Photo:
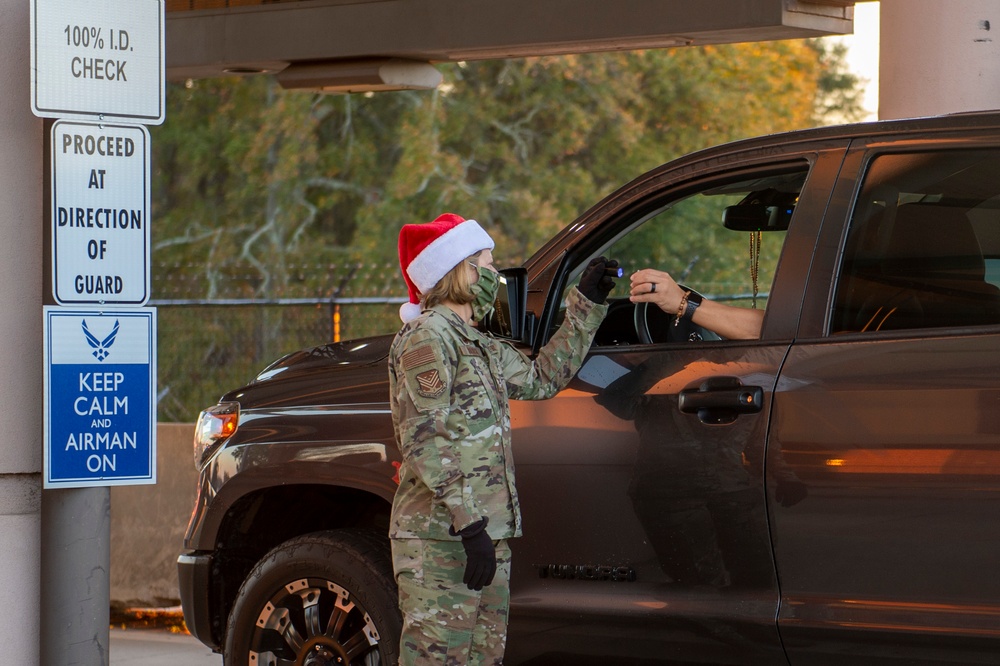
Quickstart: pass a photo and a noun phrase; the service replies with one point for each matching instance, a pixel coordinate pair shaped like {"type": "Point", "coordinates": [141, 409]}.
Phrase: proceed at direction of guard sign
{"type": "Point", "coordinates": [100, 214]}
{"type": "Point", "coordinates": [100, 397]}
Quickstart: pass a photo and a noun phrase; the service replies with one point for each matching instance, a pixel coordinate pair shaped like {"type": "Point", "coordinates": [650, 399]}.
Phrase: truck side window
{"type": "Point", "coordinates": [923, 247]}
{"type": "Point", "coordinates": [722, 239]}
{"type": "Point", "coordinates": [688, 240]}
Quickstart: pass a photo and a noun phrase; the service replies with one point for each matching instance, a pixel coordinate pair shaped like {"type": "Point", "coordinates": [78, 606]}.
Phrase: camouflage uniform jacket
{"type": "Point", "coordinates": [449, 385]}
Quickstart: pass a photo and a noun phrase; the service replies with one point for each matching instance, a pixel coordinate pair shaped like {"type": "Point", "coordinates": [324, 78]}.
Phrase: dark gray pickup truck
{"type": "Point", "coordinates": [826, 494]}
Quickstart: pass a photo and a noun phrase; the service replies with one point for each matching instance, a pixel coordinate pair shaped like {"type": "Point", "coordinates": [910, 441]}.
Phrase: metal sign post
{"type": "Point", "coordinates": [100, 61]}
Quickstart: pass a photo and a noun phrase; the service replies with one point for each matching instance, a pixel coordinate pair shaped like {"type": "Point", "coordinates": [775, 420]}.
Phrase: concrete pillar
{"type": "Point", "coordinates": [75, 568]}
{"type": "Point", "coordinates": [21, 338]}
{"type": "Point", "coordinates": [938, 56]}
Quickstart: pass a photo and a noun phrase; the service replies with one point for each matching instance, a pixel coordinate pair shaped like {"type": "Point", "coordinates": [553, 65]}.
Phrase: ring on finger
{"type": "Point", "coordinates": [652, 287]}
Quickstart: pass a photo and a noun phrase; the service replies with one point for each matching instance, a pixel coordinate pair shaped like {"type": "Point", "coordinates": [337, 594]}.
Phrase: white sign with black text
{"type": "Point", "coordinates": [100, 214]}
{"type": "Point", "coordinates": [98, 59]}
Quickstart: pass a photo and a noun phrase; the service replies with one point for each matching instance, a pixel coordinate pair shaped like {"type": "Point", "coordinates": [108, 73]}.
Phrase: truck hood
{"type": "Point", "coordinates": [365, 351]}
{"type": "Point", "coordinates": [340, 373]}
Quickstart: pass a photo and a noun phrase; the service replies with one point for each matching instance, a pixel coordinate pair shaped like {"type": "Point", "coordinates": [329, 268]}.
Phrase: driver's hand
{"type": "Point", "coordinates": [652, 286]}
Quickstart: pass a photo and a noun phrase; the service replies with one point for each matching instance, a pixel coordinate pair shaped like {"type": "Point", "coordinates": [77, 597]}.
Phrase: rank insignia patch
{"type": "Point", "coordinates": [430, 384]}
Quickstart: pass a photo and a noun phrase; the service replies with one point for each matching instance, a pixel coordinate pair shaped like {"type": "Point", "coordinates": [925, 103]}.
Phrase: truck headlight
{"type": "Point", "coordinates": [215, 425]}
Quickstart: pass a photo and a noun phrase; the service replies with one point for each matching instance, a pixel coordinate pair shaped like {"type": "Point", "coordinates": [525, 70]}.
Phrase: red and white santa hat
{"type": "Point", "coordinates": [428, 251]}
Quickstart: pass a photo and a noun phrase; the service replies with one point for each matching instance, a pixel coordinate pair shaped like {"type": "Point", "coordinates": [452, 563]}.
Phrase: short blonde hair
{"type": "Point", "coordinates": [455, 286]}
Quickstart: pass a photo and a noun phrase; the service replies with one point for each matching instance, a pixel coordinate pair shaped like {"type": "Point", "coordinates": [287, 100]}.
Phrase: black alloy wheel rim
{"type": "Point", "coordinates": [313, 622]}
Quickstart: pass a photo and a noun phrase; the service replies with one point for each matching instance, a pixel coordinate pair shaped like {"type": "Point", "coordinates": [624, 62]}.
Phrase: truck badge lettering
{"type": "Point", "coordinates": [621, 574]}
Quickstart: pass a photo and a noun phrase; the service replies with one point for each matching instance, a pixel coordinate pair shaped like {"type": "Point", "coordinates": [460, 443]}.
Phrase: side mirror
{"type": "Point", "coordinates": [508, 316]}
{"type": "Point", "coordinates": [757, 217]}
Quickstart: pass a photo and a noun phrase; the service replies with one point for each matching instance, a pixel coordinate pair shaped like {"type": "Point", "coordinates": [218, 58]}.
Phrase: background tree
{"type": "Point", "coordinates": [263, 193]}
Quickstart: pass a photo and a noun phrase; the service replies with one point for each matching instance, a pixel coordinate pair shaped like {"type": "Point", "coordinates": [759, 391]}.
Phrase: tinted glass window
{"type": "Point", "coordinates": [688, 240]}
{"type": "Point", "coordinates": [923, 248]}
{"type": "Point", "coordinates": [722, 239]}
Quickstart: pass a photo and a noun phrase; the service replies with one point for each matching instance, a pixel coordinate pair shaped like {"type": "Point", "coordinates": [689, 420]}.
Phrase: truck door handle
{"type": "Point", "coordinates": [719, 400]}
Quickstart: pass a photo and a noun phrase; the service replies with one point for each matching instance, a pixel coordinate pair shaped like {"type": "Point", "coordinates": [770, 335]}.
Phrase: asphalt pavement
{"type": "Point", "coordinates": [159, 647]}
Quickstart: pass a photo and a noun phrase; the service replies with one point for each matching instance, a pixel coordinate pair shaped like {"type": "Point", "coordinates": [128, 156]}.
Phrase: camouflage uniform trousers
{"type": "Point", "coordinates": [444, 622]}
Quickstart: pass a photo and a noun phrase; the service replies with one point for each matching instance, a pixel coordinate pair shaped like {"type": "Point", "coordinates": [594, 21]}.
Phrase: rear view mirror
{"type": "Point", "coordinates": [757, 217]}
{"type": "Point", "coordinates": [507, 318]}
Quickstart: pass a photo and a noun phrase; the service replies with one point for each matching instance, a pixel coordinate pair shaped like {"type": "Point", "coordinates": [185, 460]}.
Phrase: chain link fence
{"type": "Point", "coordinates": [215, 332]}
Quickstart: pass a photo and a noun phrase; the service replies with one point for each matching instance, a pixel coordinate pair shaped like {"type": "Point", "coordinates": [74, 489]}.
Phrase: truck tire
{"type": "Point", "coordinates": [323, 599]}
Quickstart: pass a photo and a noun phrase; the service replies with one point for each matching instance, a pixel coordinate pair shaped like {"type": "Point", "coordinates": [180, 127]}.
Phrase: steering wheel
{"type": "Point", "coordinates": [650, 320]}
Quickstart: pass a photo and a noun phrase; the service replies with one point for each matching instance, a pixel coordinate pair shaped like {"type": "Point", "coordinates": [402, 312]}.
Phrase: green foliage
{"type": "Point", "coordinates": [247, 173]}
{"type": "Point", "coordinates": [840, 94]}
{"type": "Point", "coordinates": [251, 182]}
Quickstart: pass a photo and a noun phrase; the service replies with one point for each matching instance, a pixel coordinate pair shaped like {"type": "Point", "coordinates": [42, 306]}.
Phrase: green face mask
{"type": "Point", "coordinates": [485, 292]}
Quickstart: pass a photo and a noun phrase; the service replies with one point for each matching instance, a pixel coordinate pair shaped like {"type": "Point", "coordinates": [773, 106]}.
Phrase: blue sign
{"type": "Point", "coordinates": [100, 397]}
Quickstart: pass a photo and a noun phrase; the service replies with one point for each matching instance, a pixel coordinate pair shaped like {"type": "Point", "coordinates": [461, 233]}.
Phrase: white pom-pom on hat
{"type": "Point", "coordinates": [409, 311]}
{"type": "Point", "coordinates": [428, 251]}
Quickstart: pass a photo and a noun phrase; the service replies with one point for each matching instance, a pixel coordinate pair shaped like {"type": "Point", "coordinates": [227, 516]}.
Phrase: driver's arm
{"type": "Point", "coordinates": [652, 286]}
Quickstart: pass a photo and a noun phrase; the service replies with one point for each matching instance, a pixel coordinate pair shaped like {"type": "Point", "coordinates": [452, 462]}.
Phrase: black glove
{"type": "Point", "coordinates": [595, 283]}
{"type": "Point", "coordinates": [482, 556]}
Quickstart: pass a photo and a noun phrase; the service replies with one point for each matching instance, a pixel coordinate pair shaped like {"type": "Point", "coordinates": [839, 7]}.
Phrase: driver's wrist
{"type": "Point", "coordinates": [691, 302]}
{"type": "Point", "coordinates": [681, 308]}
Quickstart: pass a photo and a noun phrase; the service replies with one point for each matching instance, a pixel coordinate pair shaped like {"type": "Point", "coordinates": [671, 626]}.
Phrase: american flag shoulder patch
{"type": "Point", "coordinates": [429, 384]}
{"type": "Point", "coordinates": [417, 357]}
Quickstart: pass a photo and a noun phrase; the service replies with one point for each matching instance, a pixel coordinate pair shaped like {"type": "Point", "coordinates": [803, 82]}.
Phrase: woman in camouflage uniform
{"type": "Point", "coordinates": [456, 505]}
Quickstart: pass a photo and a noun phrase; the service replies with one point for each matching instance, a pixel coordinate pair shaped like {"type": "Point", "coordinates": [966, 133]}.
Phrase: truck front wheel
{"type": "Point", "coordinates": [323, 599]}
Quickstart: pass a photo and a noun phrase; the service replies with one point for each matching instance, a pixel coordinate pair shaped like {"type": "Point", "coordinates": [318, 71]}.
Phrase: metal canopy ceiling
{"type": "Point", "coordinates": [268, 36]}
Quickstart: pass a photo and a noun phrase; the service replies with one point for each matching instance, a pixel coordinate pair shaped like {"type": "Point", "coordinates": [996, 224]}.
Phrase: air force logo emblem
{"type": "Point", "coordinates": [101, 346]}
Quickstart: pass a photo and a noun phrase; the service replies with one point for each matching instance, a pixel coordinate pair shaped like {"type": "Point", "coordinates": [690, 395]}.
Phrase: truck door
{"type": "Point", "coordinates": [887, 412]}
{"type": "Point", "coordinates": [642, 484]}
